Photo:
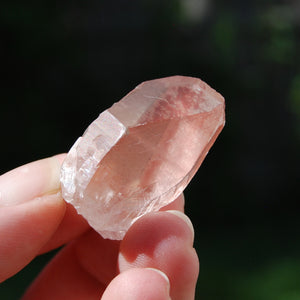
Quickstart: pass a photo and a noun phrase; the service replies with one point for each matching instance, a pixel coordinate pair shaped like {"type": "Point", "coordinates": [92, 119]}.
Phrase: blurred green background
{"type": "Point", "coordinates": [65, 61]}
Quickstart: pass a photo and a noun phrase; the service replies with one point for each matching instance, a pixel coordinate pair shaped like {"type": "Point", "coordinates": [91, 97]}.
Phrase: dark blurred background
{"type": "Point", "coordinates": [63, 62]}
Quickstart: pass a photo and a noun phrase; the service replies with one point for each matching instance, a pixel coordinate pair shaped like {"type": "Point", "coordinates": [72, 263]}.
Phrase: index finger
{"type": "Point", "coordinates": [31, 211]}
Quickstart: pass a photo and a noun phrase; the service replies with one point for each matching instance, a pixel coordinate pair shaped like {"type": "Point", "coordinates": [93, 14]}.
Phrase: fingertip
{"type": "Point", "coordinates": [154, 229]}
{"type": "Point", "coordinates": [29, 181]}
{"type": "Point", "coordinates": [139, 283]}
{"type": "Point", "coordinates": [177, 204]}
{"type": "Point", "coordinates": [163, 275]}
{"type": "Point", "coordinates": [60, 157]}
{"type": "Point", "coordinates": [184, 218]}
{"type": "Point", "coordinates": [163, 240]}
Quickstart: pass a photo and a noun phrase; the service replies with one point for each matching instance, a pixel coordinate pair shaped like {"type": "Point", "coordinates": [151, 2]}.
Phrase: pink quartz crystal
{"type": "Point", "coordinates": [141, 153]}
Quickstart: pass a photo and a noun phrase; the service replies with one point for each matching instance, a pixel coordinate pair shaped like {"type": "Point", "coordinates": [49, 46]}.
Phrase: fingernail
{"type": "Point", "coordinates": [53, 184]}
{"type": "Point", "coordinates": [30, 181]}
{"type": "Point", "coordinates": [185, 218]}
{"type": "Point", "coordinates": [162, 274]}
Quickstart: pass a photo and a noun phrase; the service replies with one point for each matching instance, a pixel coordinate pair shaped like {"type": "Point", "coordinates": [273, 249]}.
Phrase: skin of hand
{"type": "Point", "coordinates": [155, 260]}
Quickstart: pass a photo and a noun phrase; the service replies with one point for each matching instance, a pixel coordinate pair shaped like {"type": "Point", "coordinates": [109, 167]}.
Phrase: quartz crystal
{"type": "Point", "coordinates": [140, 154]}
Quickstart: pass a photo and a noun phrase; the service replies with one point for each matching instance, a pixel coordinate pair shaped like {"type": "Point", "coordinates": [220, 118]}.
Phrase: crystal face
{"type": "Point", "coordinates": [141, 153]}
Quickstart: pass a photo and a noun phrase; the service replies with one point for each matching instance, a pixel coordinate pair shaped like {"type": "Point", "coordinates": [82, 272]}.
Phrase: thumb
{"type": "Point", "coordinates": [138, 283]}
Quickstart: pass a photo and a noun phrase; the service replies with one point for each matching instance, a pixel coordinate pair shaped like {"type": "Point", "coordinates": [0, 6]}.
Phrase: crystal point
{"type": "Point", "coordinates": [140, 154]}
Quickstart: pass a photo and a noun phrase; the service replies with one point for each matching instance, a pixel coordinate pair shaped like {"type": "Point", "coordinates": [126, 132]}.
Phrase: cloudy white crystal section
{"type": "Point", "coordinates": [140, 154]}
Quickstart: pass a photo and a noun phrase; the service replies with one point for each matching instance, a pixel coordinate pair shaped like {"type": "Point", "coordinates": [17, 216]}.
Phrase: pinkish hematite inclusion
{"type": "Point", "coordinates": [141, 153]}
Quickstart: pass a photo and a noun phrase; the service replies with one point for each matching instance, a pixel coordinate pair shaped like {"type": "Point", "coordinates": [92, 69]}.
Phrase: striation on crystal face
{"type": "Point", "coordinates": [141, 153]}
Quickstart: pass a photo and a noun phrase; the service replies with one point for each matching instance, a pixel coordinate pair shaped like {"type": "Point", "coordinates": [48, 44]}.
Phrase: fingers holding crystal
{"type": "Point", "coordinates": [164, 241]}
{"type": "Point", "coordinates": [161, 240]}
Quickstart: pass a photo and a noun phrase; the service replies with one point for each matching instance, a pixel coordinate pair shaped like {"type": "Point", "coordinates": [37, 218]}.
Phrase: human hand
{"type": "Point", "coordinates": [35, 219]}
